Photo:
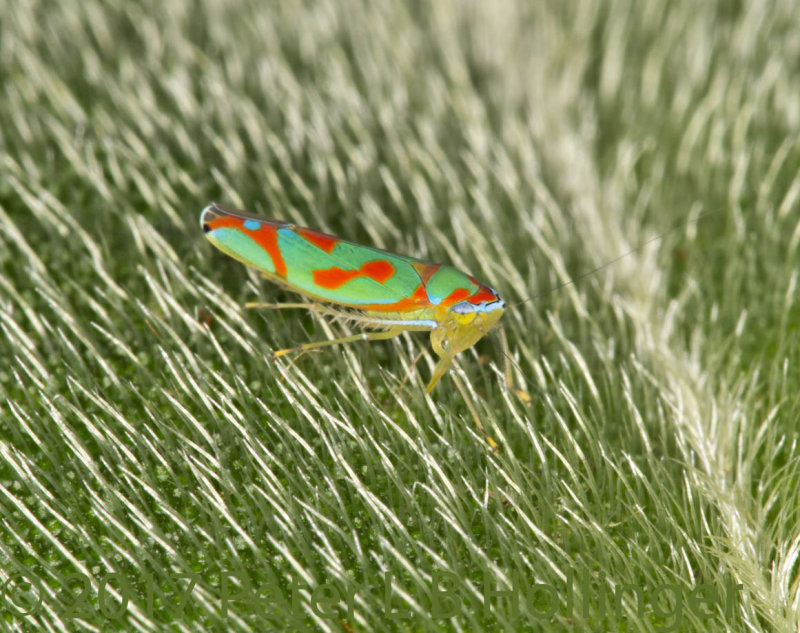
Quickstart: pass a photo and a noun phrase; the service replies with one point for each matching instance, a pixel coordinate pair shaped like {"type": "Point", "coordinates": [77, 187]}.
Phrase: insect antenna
{"type": "Point", "coordinates": [686, 219]}
{"type": "Point", "coordinates": [505, 351]}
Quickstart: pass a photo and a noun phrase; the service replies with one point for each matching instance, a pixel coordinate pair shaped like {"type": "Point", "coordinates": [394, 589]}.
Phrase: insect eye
{"type": "Point", "coordinates": [463, 308]}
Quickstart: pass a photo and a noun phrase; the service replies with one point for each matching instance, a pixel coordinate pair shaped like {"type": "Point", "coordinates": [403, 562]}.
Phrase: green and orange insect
{"type": "Point", "coordinates": [379, 290]}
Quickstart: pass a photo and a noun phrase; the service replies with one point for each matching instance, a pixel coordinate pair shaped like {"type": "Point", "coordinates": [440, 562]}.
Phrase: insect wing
{"type": "Point", "coordinates": [315, 264]}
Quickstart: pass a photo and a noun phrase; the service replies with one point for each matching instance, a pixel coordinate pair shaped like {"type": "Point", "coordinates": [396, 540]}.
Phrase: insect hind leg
{"type": "Point", "coordinates": [363, 336]}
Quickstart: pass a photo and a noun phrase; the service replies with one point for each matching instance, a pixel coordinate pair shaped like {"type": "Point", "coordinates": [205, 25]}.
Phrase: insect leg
{"type": "Point", "coordinates": [440, 370]}
{"type": "Point", "coordinates": [364, 336]}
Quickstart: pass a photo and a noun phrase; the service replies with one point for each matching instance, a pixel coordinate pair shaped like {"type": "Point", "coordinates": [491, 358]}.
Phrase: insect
{"type": "Point", "coordinates": [378, 290]}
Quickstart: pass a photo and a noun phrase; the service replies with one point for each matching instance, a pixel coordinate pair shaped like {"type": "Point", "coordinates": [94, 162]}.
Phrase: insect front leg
{"type": "Point", "coordinates": [440, 370]}
{"type": "Point", "coordinates": [443, 348]}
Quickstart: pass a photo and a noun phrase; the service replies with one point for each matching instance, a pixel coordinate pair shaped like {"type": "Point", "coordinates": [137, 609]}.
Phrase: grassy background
{"type": "Point", "coordinates": [146, 438]}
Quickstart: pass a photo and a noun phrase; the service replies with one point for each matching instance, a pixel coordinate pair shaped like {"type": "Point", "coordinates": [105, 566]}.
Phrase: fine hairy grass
{"type": "Point", "coordinates": [158, 470]}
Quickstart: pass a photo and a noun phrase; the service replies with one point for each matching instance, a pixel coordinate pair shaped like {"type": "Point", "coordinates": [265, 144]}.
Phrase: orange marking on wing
{"type": "Point", "coordinates": [335, 277]}
{"type": "Point", "coordinates": [332, 278]}
{"type": "Point", "coordinates": [266, 237]}
{"type": "Point", "coordinates": [419, 299]}
{"type": "Point", "coordinates": [380, 270]}
{"type": "Point", "coordinates": [320, 240]}
{"type": "Point", "coordinates": [459, 294]}
{"type": "Point", "coordinates": [269, 240]}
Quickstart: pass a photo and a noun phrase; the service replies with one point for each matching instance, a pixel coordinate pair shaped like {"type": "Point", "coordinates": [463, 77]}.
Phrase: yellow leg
{"type": "Point", "coordinates": [364, 336]}
{"type": "Point", "coordinates": [440, 370]}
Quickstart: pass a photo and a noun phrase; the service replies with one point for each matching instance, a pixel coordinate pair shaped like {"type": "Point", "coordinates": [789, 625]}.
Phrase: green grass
{"type": "Point", "coordinates": [147, 441]}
